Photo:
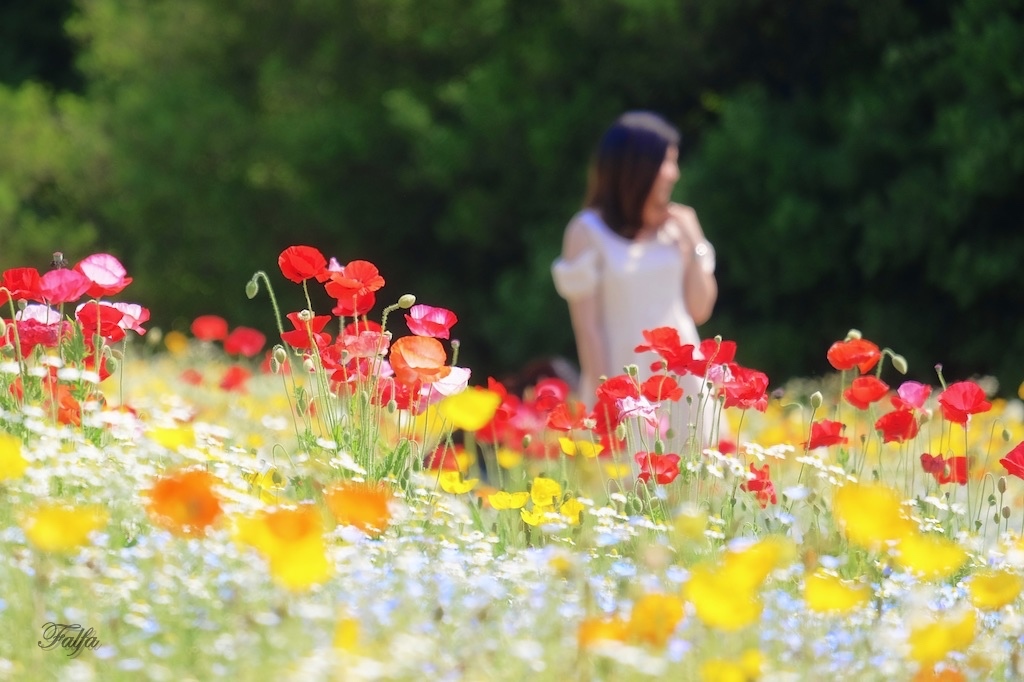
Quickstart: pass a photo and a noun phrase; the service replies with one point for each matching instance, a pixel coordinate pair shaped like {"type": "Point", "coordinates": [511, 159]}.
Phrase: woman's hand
{"type": "Point", "coordinates": [700, 288]}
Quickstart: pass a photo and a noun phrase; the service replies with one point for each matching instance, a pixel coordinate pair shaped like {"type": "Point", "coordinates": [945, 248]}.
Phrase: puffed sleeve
{"type": "Point", "coordinates": [577, 277]}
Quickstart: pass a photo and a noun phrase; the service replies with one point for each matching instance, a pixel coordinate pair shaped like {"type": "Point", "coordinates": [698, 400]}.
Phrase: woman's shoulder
{"type": "Point", "coordinates": [581, 232]}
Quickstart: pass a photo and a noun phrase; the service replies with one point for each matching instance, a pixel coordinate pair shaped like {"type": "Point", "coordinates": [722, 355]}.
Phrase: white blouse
{"type": "Point", "coordinates": [639, 284]}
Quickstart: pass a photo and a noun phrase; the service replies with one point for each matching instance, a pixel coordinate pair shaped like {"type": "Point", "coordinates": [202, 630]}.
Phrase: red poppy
{"type": "Point", "coordinates": [234, 378]}
{"type": "Point", "coordinates": [865, 390]}
{"type": "Point", "coordinates": [210, 328]}
{"type": "Point", "coordinates": [358, 278]}
{"type": "Point", "coordinates": [192, 376]}
{"type": "Point", "coordinates": [569, 416]}
{"type": "Point", "coordinates": [711, 353]}
{"type": "Point", "coordinates": [306, 331]}
{"type": "Point", "coordinates": [425, 320]}
{"type": "Point", "coordinates": [898, 426]}
{"type": "Point", "coordinates": [97, 363]}
{"type": "Point", "coordinates": [443, 458]}
{"type": "Point", "coordinates": [826, 433]}
{"type": "Point", "coordinates": [32, 333]}
{"type": "Point", "coordinates": [962, 399]}
{"type": "Point", "coordinates": [745, 388]}
{"type": "Point", "coordinates": [495, 431]}
{"type": "Point", "coordinates": [63, 286]}
{"type": "Point", "coordinates": [605, 418]}
{"type": "Point", "coordinates": [100, 319]}
{"type": "Point", "coordinates": [661, 387]}
{"type": "Point", "coordinates": [761, 485]}
{"type": "Point", "coordinates": [299, 263]}
{"type": "Point", "coordinates": [418, 358]}
{"type": "Point", "coordinates": [355, 305]}
{"type": "Point", "coordinates": [859, 353]}
{"type": "Point", "coordinates": [358, 326]}
{"type": "Point", "coordinates": [22, 284]}
{"type": "Point", "coordinates": [365, 344]}
{"type": "Point", "coordinates": [618, 387]}
{"type": "Point", "coordinates": [406, 396]}
{"type": "Point", "coordinates": [244, 341]}
{"type": "Point", "coordinates": [664, 468]}
{"type": "Point", "coordinates": [1013, 462]}
{"type": "Point", "coordinates": [548, 393]}
{"type": "Point", "coordinates": [666, 343]}
{"type": "Point", "coordinates": [106, 273]}
{"type": "Point", "coordinates": [952, 470]}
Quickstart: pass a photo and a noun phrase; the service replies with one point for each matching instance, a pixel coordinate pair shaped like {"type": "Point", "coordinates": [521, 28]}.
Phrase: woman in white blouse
{"type": "Point", "coordinates": [633, 260]}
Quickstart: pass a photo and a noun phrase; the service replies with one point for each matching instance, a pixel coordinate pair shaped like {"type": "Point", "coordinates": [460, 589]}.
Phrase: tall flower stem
{"type": "Point", "coordinates": [253, 287]}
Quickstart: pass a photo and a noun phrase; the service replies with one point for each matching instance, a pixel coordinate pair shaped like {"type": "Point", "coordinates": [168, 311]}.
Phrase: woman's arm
{"type": "Point", "coordinates": [700, 288]}
{"type": "Point", "coordinates": [585, 314]}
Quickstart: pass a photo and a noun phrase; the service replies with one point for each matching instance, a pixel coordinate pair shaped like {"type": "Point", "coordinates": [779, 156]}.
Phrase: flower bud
{"type": "Point", "coordinates": [252, 288]}
{"type": "Point", "coordinates": [632, 370]}
{"type": "Point", "coordinates": [308, 365]}
{"type": "Point", "coordinates": [620, 432]}
{"type": "Point", "coordinates": [406, 301]}
{"type": "Point", "coordinates": [392, 406]}
{"type": "Point", "coordinates": [275, 366]}
{"type": "Point", "coordinates": [1006, 436]}
{"type": "Point", "coordinates": [899, 363]}
{"type": "Point", "coordinates": [280, 354]}
{"type": "Point", "coordinates": [853, 334]}
{"type": "Point", "coordinates": [527, 439]}
{"type": "Point", "coordinates": [816, 399]}
{"type": "Point", "coordinates": [1001, 485]}
{"type": "Point", "coordinates": [1006, 512]}
{"type": "Point", "coordinates": [659, 447]}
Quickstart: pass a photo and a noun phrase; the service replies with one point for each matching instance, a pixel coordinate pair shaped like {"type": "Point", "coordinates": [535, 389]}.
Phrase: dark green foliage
{"type": "Point", "coordinates": [856, 164]}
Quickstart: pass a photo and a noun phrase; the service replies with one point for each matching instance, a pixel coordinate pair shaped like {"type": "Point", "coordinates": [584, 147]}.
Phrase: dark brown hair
{"type": "Point", "coordinates": [622, 171]}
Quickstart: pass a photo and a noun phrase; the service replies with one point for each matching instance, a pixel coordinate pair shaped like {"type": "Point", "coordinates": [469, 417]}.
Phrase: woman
{"type": "Point", "coordinates": [633, 260]}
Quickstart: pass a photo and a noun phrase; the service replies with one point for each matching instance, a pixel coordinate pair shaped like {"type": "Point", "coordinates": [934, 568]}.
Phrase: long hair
{"type": "Point", "coordinates": [625, 164]}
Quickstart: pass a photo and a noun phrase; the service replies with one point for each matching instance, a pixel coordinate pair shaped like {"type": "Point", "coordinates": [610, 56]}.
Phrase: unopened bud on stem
{"type": "Point", "coordinates": [406, 301]}
{"type": "Point", "coordinates": [899, 363]}
{"type": "Point", "coordinates": [816, 399]}
{"type": "Point", "coordinates": [252, 288]}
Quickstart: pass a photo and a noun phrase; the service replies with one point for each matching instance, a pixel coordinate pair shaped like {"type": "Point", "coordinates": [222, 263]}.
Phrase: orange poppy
{"type": "Point", "coordinates": [362, 505]}
{"type": "Point", "coordinates": [184, 502]}
{"type": "Point", "coordinates": [418, 358]}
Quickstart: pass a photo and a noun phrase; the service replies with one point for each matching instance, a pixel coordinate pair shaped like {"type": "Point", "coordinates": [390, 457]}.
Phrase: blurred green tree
{"type": "Point", "coordinates": [853, 162]}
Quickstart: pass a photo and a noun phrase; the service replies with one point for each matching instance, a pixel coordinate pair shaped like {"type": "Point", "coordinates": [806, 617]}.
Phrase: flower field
{"type": "Point", "coordinates": [347, 503]}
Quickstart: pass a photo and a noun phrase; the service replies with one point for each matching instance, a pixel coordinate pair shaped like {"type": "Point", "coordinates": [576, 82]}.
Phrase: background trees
{"type": "Point", "coordinates": [855, 163]}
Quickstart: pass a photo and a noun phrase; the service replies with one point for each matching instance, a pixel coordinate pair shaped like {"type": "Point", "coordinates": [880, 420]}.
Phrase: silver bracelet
{"type": "Point", "coordinates": [705, 255]}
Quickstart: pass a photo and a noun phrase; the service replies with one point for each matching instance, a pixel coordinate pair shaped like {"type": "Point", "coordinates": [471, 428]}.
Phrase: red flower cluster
{"type": "Point", "coordinates": [952, 470]}
{"type": "Point", "coordinates": [663, 468]}
{"type": "Point", "coordinates": [761, 485]}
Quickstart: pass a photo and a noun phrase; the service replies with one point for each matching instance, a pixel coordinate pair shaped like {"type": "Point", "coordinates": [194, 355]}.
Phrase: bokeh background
{"type": "Point", "coordinates": [857, 164]}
